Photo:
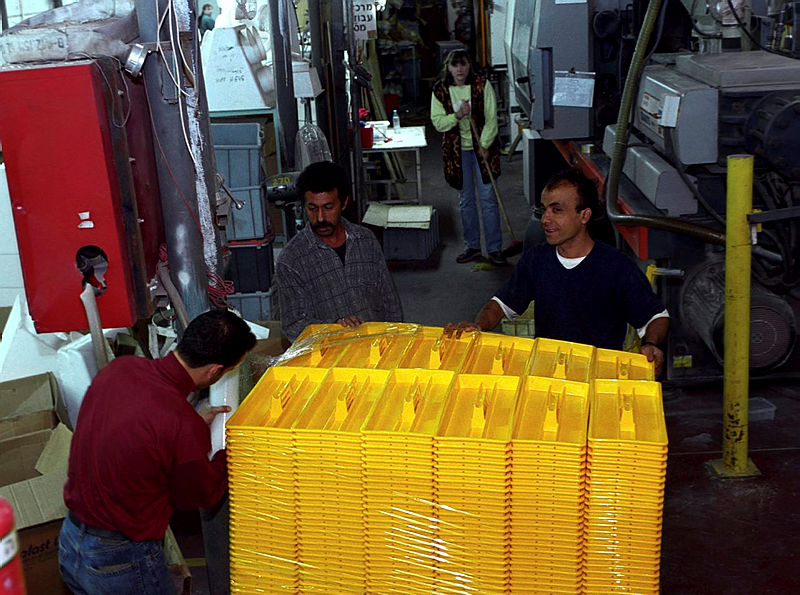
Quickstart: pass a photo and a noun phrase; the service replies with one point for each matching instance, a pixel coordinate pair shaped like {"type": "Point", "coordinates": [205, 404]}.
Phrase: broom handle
{"type": "Point", "coordinates": [491, 179]}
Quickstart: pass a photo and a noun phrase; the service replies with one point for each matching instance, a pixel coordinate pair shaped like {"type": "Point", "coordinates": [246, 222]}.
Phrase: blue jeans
{"type": "Point", "coordinates": [469, 210]}
{"type": "Point", "coordinates": [93, 565]}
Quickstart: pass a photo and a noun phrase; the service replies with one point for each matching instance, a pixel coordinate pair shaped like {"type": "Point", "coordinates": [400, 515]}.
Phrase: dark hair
{"type": "Point", "coordinates": [584, 186]}
{"type": "Point", "coordinates": [458, 54]}
{"type": "Point", "coordinates": [324, 176]}
{"type": "Point", "coordinates": [215, 337]}
{"type": "Point", "coordinates": [204, 7]}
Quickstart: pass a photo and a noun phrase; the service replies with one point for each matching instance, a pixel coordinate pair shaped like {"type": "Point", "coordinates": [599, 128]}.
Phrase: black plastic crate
{"type": "Point", "coordinates": [251, 265]}
{"type": "Point", "coordinates": [400, 243]}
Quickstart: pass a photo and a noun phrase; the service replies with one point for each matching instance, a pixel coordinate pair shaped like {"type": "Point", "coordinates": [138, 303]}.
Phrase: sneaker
{"type": "Point", "coordinates": [497, 258]}
{"type": "Point", "coordinates": [467, 255]}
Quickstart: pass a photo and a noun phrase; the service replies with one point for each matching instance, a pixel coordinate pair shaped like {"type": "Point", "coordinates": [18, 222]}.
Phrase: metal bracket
{"type": "Point", "coordinates": [773, 215]}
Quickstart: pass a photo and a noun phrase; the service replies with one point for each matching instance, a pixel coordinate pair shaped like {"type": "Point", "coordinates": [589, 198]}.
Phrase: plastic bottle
{"type": "Point", "coordinates": [396, 120]}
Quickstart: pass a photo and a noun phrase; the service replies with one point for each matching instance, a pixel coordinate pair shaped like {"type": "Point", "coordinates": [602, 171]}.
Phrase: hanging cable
{"type": "Point", "coordinates": [219, 289]}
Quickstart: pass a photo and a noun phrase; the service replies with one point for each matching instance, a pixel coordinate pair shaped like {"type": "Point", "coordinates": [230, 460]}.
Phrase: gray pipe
{"type": "Point", "coordinates": [174, 296]}
{"type": "Point", "coordinates": [176, 174]}
{"type": "Point", "coordinates": [284, 81]}
{"type": "Point", "coordinates": [699, 232]}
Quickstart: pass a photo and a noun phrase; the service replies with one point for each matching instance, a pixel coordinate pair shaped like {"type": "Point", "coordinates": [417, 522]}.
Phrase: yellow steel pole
{"type": "Point", "coordinates": [738, 252]}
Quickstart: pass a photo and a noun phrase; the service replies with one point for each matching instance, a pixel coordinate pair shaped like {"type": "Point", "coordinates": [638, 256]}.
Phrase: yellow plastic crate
{"type": "Point", "coordinates": [261, 460]}
{"type": "Point", "coordinates": [622, 365]}
{"type": "Point", "coordinates": [562, 360]}
{"type": "Point", "coordinates": [625, 487]}
{"type": "Point", "coordinates": [552, 410]}
{"type": "Point", "coordinates": [430, 478]}
{"type": "Point", "coordinates": [431, 349]}
{"type": "Point", "coordinates": [382, 352]}
{"type": "Point", "coordinates": [276, 398]}
{"type": "Point", "coordinates": [343, 402]}
{"type": "Point", "coordinates": [318, 346]}
{"type": "Point", "coordinates": [627, 412]}
{"type": "Point", "coordinates": [480, 406]}
{"type": "Point", "coordinates": [499, 355]}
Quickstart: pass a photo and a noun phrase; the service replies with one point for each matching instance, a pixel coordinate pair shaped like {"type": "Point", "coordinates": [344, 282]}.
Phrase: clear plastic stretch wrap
{"type": "Point", "coordinates": [392, 459]}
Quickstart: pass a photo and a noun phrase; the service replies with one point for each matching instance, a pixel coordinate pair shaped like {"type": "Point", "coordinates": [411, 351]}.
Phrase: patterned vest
{"type": "Point", "coordinates": [451, 140]}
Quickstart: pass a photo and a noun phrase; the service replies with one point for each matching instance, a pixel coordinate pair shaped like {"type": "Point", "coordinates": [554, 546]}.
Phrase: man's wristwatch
{"type": "Point", "coordinates": [649, 343]}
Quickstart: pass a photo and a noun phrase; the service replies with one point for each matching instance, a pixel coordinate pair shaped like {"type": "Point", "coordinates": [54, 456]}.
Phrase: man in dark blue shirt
{"type": "Point", "coordinates": [584, 291]}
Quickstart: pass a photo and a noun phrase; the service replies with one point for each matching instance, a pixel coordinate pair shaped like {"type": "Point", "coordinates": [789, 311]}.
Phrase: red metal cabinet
{"type": "Point", "coordinates": [81, 172]}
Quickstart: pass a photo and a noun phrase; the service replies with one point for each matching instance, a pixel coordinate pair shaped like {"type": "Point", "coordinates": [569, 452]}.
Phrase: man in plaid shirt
{"type": "Point", "coordinates": [332, 270]}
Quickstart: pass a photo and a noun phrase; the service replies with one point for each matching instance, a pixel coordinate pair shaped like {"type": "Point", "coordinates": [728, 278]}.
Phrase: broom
{"type": "Point", "coordinates": [515, 247]}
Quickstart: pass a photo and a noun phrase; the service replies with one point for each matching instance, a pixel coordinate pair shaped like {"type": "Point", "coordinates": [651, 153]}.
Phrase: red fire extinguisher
{"type": "Point", "coordinates": [11, 580]}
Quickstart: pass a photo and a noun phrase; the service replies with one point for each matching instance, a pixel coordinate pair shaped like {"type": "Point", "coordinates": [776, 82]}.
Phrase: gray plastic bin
{"type": "Point", "coordinates": [411, 244]}
{"type": "Point", "coordinates": [237, 149]}
{"type": "Point", "coordinates": [253, 306]}
{"type": "Point", "coordinates": [251, 221]}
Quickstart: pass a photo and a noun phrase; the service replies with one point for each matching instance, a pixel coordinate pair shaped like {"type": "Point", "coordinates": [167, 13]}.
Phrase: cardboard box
{"type": "Point", "coordinates": [34, 454]}
{"type": "Point", "coordinates": [5, 312]}
{"type": "Point", "coordinates": [261, 355]}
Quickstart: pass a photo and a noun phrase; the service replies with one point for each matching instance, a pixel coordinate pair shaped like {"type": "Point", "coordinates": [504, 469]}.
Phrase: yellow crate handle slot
{"type": "Point", "coordinates": [407, 417]}
{"type": "Point", "coordinates": [627, 426]}
{"type": "Point", "coordinates": [410, 403]}
{"type": "Point", "coordinates": [623, 368]}
{"type": "Point", "coordinates": [374, 353]}
{"type": "Point", "coordinates": [478, 421]}
{"type": "Point", "coordinates": [315, 357]}
{"type": "Point", "coordinates": [436, 354]}
{"type": "Point", "coordinates": [560, 365]}
{"type": "Point", "coordinates": [551, 415]}
{"type": "Point", "coordinates": [376, 350]}
{"type": "Point", "coordinates": [279, 399]}
{"type": "Point", "coordinates": [340, 411]}
{"type": "Point", "coordinates": [497, 362]}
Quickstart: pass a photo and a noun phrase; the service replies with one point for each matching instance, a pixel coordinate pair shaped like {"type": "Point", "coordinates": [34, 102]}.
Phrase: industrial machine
{"type": "Point", "coordinates": [91, 216]}
{"type": "Point", "coordinates": [706, 92]}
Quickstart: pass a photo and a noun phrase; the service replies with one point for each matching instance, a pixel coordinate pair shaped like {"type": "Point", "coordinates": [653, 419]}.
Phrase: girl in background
{"type": "Point", "coordinates": [462, 98]}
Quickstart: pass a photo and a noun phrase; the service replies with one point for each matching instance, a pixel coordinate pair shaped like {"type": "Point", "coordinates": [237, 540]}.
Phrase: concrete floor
{"type": "Point", "coordinates": [720, 537]}
{"type": "Point", "coordinates": [440, 290]}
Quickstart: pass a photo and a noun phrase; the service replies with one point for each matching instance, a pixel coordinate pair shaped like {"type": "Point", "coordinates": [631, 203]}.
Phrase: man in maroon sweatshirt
{"type": "Point", "coordinates": [140, 451]}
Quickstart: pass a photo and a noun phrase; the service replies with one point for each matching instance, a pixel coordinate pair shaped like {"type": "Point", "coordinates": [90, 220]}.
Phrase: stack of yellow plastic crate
{"type": "Point", "coordinates": [264, 538]}
{"type": "Point", "coordinates": [415, 463]}
{"type": "Point", "coordinates": [400, 520]}
{"type": "Point", "coordinates": [549, 458]}
{"type": "Point", "coordinates": [328, 468]}
{"type": "Point", "coordinates": [627, 461]}
{"type": "Point", "coordinates": [473, 484]}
